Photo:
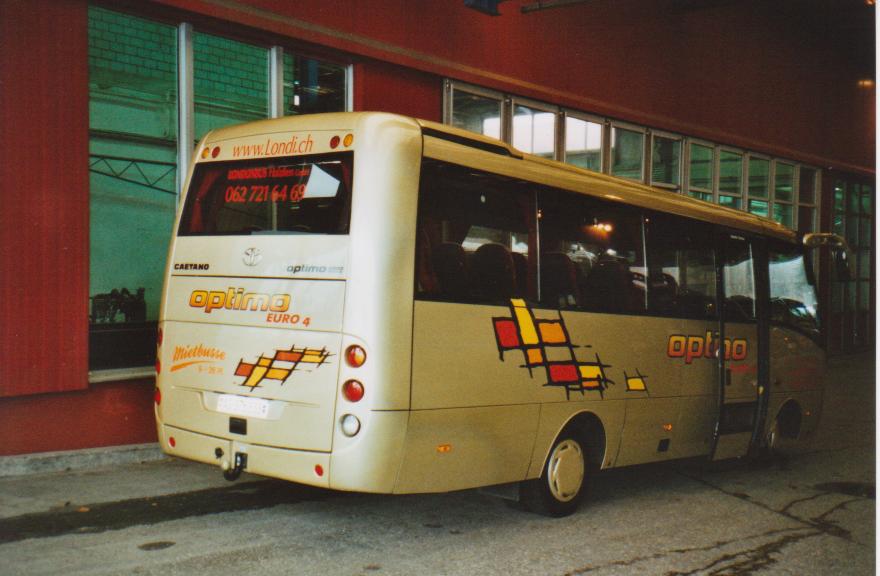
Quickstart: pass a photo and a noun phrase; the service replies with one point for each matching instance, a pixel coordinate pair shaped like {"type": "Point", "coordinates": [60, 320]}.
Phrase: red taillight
{"type": "Point", "coordinates": [157, 396]}
{"type": "Point", "coordinates": [158, 366]}
{"type": "Point", "coordinates": [215, 152]}
{"type": "Point", "coordinates": [353, 390]}
{"type": "Point", "coordinates": [355, 356]}
{"type": "Point", "coordinates": [319, 470]}
{"type": "Point", "coordinates": [334, 142]}
{"type": "Point", "coordinates": [172, 442]}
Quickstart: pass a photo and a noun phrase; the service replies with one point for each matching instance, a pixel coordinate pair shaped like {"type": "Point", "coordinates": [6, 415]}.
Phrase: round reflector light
{"type": "Point", "coordinates": [353, 390]}
{"type": "Point", "coordinates": [158, 366]}
{"type": "Point", "coordinates": [159, 336]}
{"type": "Point", "coordinates": [350, 425]}
{"type": "Point", "coordinates": [355, 356]}
{"type": "Point", "coordinates": [349, 138]}
{"type": "Point", "coordinates": [157, 396]}
{"type": "Point", "coordinates": [215, 152]}
{"type": "Point", "coordinates": [172, 442]}
{"type": "Point", "coordinates": [334, 142]}
{"type": "Point", "coordinates": [206, 152]}
{"type": "Point", "coordinates": [319, 470]}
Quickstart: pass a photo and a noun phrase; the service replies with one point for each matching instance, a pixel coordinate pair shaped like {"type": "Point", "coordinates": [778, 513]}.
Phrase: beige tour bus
{"type": "Point", "coordinates": [374, 303]}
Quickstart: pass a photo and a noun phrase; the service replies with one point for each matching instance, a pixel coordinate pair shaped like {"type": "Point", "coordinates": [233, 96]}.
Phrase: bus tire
{"type": "Point", "coordinates": [563, 480]}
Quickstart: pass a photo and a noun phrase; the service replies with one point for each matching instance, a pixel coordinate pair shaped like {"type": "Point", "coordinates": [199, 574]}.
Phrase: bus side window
{"type": "Point", "coordinates": [476, 236]}
{"type": "Point", "coordinates": [739, 282]}
{"type": "Point", "coordinates": [591, 254]}
{"type": "Point", "coordinates": [792, 298]}
{"type": "Point", "coordinates": [681, 268]}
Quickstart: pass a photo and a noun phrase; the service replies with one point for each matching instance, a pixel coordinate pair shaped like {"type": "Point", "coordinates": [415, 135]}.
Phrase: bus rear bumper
{"type": "Point", "coordinates": [299, 466]}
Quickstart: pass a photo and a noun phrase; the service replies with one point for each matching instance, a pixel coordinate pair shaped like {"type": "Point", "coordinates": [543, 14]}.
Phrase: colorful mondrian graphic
{"type": "Point", "coordinates": [280, 366]}
{"type": "Point", "coordinates": [546, 344]}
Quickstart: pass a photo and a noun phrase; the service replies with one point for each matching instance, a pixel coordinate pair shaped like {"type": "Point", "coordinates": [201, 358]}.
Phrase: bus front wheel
{"type": "Point", "coordinates": [562, 483]}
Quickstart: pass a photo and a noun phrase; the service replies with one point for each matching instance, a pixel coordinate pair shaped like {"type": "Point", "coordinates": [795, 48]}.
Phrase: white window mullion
{"type": "Point", "coordinates": [185, 108]}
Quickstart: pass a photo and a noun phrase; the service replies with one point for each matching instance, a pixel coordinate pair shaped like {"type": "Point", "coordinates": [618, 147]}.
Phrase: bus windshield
{"type": "Point", "coordinates": [292, 195]}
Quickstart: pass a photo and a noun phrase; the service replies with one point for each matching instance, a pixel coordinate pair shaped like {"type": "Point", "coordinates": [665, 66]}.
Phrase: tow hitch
{"type": "Point", "coordinates": [239, 463]}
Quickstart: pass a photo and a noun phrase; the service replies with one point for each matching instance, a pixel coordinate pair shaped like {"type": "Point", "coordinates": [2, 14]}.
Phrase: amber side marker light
{"type": "Point", "coordinates": [355, 356]}
{"type": "Point", "coordinates": [347, 141]}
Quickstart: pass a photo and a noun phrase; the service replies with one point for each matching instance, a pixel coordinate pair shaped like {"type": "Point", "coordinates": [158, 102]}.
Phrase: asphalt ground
{"type": "Point", "coordinates": [809, 512]}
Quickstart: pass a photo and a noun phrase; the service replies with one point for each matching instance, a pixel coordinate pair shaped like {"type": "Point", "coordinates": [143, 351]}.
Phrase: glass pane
{"type": "Point", "coordinates": [730, 201]}
{"type": "Point", "coordinates": [301, 195]}
{"type": "Point", "coordinates": [784, 186]}
{"type": "Point", "coordinates": [534, 131]}
{"type": "Point", "coordinates": [681, 268]}
{"type": "Point", "coordinates": [864, 264]}
{"type": "Point", "coordinates": [231, 83]}
{"type": "Point", "coordinates": [792, 299]}
{"type": "Point", "coordinates": [132, 182]}
{"type": "Point", "coordinates": [583, 143]}
{"type": "Point", "coordinates": [805, 221]}
{"type": "Point", "coordinates": [853, 197]}
{"type": "Point", "coordinates": [705, 196]}
{"type": "Point", "coordinates": [865, 233]}
{"type": "Point", "coordinates": [784, 214]}
{"type": "Point", "coordinates": [864, 295]}
{"type": "Point", "coordinates": [591, 254]}
{"type": "Point", "coordinates": [807, 186]}
{"type": "Point", "coordinates": [701, 166]}
{"type": "Point", "coordinates": [627, 153]}
{"type": "Point", "coordinates": [759, 207]}
{"type": "Point", "coordinates": [837, 224]}
{"type": "Point", "coordinates": [476, 113]}
{"type": "Point", "coordinates": [852, 231]}
{"type": "Point", "coordinates": [739, 282]}
{"type": "Point", "coordinates": [311, 86]}
{"type": "Point", "coordinates": [730, 172]}
{"type": "Point", "coordinates": [759, 177]}
{"type": "Point", "coordinates": [477, 236]}
{"type": "Point", "coordinates": [666, 161]}
{"type": "Point", "coordinates": [839, 196]}
{"type": "Point", "coordinates": [867, 199]}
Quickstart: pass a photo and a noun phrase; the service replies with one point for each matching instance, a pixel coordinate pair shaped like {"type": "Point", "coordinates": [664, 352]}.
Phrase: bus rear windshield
{"type": "Point", "coordinates": [294, 195]}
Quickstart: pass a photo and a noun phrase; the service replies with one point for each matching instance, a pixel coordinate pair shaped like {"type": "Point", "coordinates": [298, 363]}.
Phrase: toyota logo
{"type": "Point", "coordinates": [252, 256]}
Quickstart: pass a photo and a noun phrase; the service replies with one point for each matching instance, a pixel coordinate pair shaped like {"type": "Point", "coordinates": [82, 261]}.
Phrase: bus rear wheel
{"type": "Point", "coordinates": [562, 483]}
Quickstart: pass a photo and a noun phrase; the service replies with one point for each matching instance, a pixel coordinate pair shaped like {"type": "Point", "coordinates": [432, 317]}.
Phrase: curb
{"type": "Point", "coordinates": [43, 462]}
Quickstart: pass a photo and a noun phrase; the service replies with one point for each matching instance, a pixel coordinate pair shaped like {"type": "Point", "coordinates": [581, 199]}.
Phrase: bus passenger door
{"type": "Point", "coordinates": [741, 346]}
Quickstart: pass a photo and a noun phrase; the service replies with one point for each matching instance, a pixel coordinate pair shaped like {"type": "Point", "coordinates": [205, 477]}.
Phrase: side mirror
{"type": "Point", "coordinates": [840, 253]}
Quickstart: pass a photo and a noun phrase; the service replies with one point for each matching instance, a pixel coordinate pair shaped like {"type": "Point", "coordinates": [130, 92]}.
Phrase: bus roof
{"type": "Point", "coordinates": [475, 149]}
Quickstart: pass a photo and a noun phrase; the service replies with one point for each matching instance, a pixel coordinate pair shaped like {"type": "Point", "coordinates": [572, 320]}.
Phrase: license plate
{"type": "Point", "coordinates": [243, 406]}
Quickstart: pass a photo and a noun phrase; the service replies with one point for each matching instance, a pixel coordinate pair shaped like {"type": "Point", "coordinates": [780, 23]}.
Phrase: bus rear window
{"type": "Point", "coordinates": [296, 195]}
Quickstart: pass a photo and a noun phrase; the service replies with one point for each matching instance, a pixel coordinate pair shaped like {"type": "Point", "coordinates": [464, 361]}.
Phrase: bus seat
{"type": "Point", "coordinates": [450, 269]}
{"type": "Point", "coordinates": [559, 285]}
{"type": "Point", "coordinates": [662, 292]}
{"type": "Point", "coordinates": [608, 287]}
{"type": "Point", "coordinates": [493, 274]}
{"type": "Point", "coordinates": [521, 269]}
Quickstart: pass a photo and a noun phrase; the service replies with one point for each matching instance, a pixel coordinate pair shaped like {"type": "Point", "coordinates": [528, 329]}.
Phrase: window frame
{"type": "Point", "coordinates": [515, 101]}
{"type": "Point", "coordinates": [649, 160]}
{"type": "Point", "coordinates": [604, 125]}
{"type": "Point", "coordinates": [614, 124]}
{"type": "Point", "coordinates": [686, 167]}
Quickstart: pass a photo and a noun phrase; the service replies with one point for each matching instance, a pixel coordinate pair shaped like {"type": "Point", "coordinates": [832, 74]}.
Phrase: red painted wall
{"type": "Point", "coordinates": [778, 77]}
{"type": "Point", "coordinates": [104, 415]}
{"type": "Point", "coordinates": [44, 218]}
